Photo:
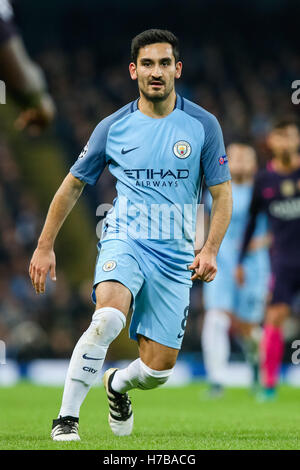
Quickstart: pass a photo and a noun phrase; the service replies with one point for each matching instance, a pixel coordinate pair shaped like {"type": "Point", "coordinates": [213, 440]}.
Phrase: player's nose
{"type": "Point", "coordinates": [157, 72]}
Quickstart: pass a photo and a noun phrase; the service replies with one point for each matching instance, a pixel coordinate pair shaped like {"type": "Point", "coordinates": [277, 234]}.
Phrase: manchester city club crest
{"type": "Point", "coordinates": [109, 265]}
{"type": "Point", "coordinates": [182, 149]}
{"type": "Point", "coordinates": [84, 151]}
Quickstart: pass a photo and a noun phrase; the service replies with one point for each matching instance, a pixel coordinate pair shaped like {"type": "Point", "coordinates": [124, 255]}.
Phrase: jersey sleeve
{"type": "Point", "coordinates": [92, 160]}
{"type": "Point", "coordinates": [214, 161]}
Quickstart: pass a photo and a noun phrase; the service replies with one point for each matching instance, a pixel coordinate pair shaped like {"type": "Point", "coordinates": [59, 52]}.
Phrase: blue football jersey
{"type": "Point", "coordinates": [159, 165]}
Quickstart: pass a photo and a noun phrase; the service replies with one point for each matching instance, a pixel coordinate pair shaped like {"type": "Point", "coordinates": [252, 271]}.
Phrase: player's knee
{"type": "Point", "coordinates": [113, 294]}
{"type": "Point", "coordinates": [150, 378]}
{"type": "Point", "coordinates": [106, 325]}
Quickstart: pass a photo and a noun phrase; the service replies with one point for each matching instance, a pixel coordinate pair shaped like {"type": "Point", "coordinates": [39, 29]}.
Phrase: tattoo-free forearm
{"type": "Point", "coordinates": [60, 207]}
{"type": "Point", "coordinates": [220, 216]}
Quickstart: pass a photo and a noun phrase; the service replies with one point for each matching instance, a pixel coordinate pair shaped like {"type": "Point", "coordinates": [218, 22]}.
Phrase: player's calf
{"type": "Point", "coordinates": [88, 357]}
{"type": "Point", "coordinates": [139, 375]}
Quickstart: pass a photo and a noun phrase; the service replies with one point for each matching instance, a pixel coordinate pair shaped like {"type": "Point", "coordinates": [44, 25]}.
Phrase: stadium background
{"type": "Point", "coordinates": [240, 59]}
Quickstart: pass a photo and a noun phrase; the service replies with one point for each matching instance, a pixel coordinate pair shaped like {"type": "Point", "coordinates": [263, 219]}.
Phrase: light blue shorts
{"type": "Point", "coordinates": [160, 296]}
{"type": "Point", "coordinates": [246, 302]}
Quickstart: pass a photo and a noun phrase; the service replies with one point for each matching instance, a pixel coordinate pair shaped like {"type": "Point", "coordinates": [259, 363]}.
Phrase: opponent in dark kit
{"type": "Point", "coordinates": [277, 192]}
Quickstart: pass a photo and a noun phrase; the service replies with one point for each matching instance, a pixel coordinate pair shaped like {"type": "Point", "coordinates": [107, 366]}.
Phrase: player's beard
{"type": "Point", "coordinates": [156, 98]}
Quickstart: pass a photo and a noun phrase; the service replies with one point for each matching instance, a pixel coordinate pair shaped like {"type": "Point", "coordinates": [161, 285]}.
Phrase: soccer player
{"type": "Point", "coordinates": [23, 77]}
{"type": "Point", "coordinates": [277, 193]}
{"type": "Point", "coordinates": [159, 147]}
{"type": "Point", "coordinates": [226, 302]}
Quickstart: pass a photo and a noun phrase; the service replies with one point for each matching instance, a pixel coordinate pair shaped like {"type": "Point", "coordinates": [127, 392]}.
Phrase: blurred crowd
{"type": "Point", "coordinates": [32, 326]}
{"type": "Point", "coordinates": [245, 92]}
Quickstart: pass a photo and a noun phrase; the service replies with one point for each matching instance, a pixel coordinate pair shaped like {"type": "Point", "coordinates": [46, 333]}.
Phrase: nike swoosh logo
{"type": "Point", "coordinates": [92, 358]}
{"type": "Point", "coordinates": [123, 151]}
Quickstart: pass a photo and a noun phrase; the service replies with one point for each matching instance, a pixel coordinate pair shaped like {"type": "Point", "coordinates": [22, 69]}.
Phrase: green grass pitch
{"type": "Point", "coordinates": [168, 418]}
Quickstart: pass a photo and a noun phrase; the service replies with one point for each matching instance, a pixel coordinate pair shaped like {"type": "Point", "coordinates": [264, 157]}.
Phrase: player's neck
{"type": "Point", "coordinates": [159, 109]}
{"type": "Point", "coordinates": [285, 166]}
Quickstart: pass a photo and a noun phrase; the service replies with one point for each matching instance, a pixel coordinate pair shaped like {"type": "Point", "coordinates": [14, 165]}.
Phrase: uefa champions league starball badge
{"type": "Point", "coordinates": [182, 149]}
{"type": "Point", "coordinates": [84, 151]}
{"type": "Point", "coordinates": [109, 265]}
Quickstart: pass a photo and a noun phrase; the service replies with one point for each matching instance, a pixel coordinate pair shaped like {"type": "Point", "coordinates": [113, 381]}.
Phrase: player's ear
{"type": "Point", "coordinates": [178, 69]}
{"type": "Point", "coordinates": [132, 71]}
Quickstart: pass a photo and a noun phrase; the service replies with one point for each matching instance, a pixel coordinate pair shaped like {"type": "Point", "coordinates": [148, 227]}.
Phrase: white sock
{"type": "Point", "coordinates": [139, 375]}
{"type": "Point", "coordinates": [215, 344]}
{"type": "Point", "coordinates": [88, 357]}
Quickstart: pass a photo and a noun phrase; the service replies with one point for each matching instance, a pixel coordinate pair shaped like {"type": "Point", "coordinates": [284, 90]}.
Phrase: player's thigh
{"type": "Point", "coordinates": [113, 294]}
{"type": "Point", "coordinates": [156, 355]}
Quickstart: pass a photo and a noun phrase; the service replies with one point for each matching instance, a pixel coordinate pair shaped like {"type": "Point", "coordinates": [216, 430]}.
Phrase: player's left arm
{"type": "Point", "coordinates": [214, 164]}
{"type": "Point", "coordinates": [205, 265]}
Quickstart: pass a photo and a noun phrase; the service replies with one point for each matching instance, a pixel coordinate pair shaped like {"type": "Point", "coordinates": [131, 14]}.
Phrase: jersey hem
{"type": "Point", "coordinates": [82, 178]}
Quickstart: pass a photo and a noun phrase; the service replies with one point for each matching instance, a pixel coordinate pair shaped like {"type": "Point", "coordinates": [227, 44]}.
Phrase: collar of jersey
{"type": "Point", "coordinates": [179, 103]}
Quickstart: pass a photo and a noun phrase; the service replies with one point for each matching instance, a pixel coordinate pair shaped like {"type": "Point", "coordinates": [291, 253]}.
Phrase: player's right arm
{"type": "Point", "coordinates": [43, 259]}
{"type": "Point", "coordinates": [214, 165]}
{"type": "Point", "coordinates": [87, 169]}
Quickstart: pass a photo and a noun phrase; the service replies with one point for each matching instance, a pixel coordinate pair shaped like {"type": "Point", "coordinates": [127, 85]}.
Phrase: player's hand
{"type": "Point", "coordinates": [239, 274]}
{"type": "Point", "coordinates": [42, 261]}
{"type": "Point", "coordinates": [204, 265]}
{"type": "Point", "coordinates": [36, 119]}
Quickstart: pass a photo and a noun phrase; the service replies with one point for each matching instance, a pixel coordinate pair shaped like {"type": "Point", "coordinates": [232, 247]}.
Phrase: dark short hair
{"type": "Point", "coordinates": [282, 123]}
{"type": "Point", "coordinates": [152, 36]}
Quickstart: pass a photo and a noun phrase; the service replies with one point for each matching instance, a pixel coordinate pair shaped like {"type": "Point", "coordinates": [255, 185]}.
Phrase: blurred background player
{"type": "Point", "coordinates": [23, 77]}
{"type": "Point", "coordinates": [277, 193]}
{"type": "Point", "coordinates": [225, 302]}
